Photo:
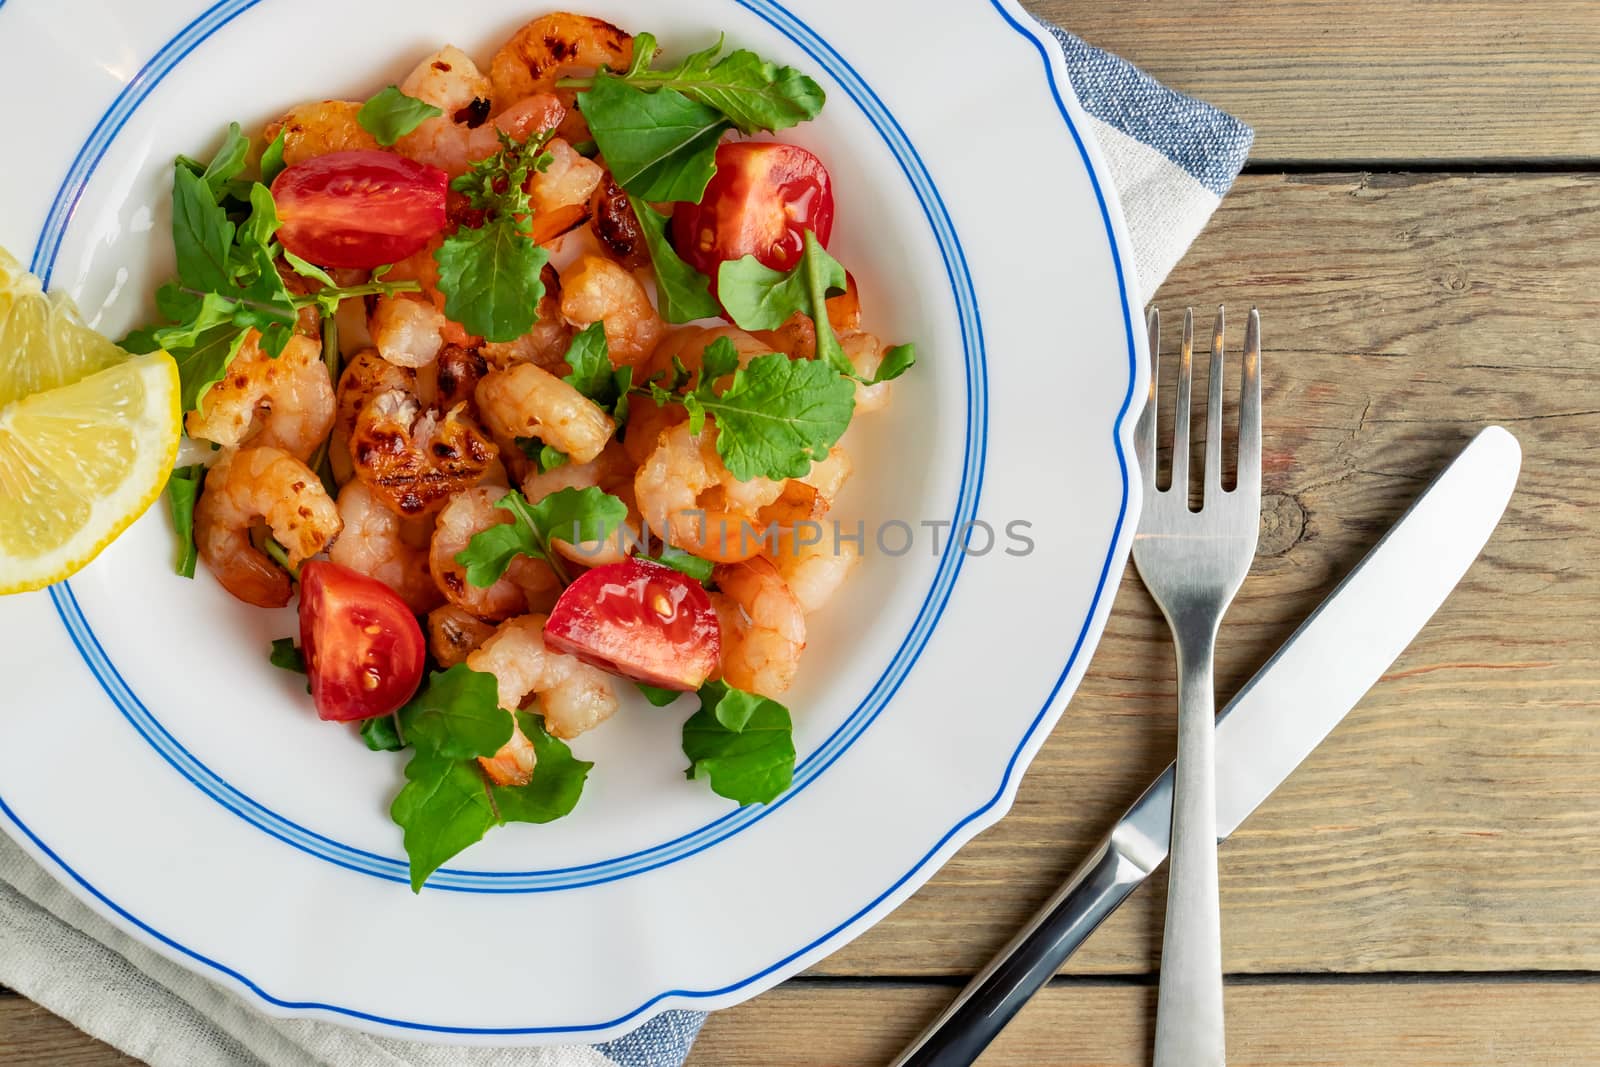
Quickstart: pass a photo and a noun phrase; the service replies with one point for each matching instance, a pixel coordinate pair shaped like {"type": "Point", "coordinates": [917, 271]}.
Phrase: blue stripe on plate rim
{"type": "Point", "coordinates": [686, 845]}
{"type": "Point", "coordinates": [198, 31]}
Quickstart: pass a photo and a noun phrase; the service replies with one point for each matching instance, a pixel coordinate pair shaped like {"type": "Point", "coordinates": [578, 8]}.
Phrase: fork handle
{"type": "Point", "coordinates": [1189, 1020]}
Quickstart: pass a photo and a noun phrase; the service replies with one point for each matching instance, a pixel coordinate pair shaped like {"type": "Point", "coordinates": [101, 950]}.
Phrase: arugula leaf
{"type": "Point", "coordinates": [760, 298]}
{"type": "Point", "coordinates": [272, 157]}
{"type": "Point", "coordinates": [751, 92]}
{"type": "Point", "coordinates": [778, 416]}
{"type": "Point", "coordinates": [228, 163]}
{"type": "Point", "coordinates": [557, 778]}
{"type": "Point", "coordinates": [490, 279]}
{"type": "Point", "coordinates": [719, 360]}
{"type": "Point", "coordinates": [742, 742]}
{"type": "Point", "coordinates": [896, 361]}
{"type": "Point", "coordinates": [659, 145]}
{"type": "Point", "coordinates": [659, 697]}
{"type": "Point", "coordinates": [683, 292]}
{"type": "Point", "coordinates": [683, 562]}
{"type": "Point", "coordinates": [263, 223]}
{"type": "Point", "coordinates": [755, 94]}
{"type": "Point", "coordinates": [382, 734]}
{"type": "Point", "coordinates": [542, 456]}
{"type": "Point", "coordinates": [456, 715]}
{"type": "Point", "coordinates": [201, 233]}
{"type": "Point", "coordinates": [202, 365]}
{"type": "Point", "coordinates": [573, 515]}
{"type": "Point", "coordinates": [490, 275]}
{"type": "Point", "coordinates": [286, 656]}
{"type": "Point", "coordinates": [183, 488]}
{"type": "Point", "coordinates": [590, 359]}
{"type": "Point", "coordinates": [443, 809]}
{"type": "Point", "coordinates": [391, 114]}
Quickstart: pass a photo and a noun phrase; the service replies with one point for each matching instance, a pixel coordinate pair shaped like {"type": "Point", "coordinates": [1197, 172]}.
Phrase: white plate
{"type": "Point", "coordinates": [151, 758]}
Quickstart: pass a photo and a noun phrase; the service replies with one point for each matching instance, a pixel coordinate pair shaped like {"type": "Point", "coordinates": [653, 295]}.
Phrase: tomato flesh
{"type": "Point", "coordinates": [359, 209]}
{"type": "Point", "coordinates": [760, 202]}
{"type": "Point", "coordinates": [363, 648]}
{"type": "Point", "coordinates": [641, 620]}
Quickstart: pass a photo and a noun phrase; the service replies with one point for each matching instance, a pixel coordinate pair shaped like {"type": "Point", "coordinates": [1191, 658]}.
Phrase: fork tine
{"type": "Point", "coordinates": [1144, 434]}
{"type": "Point", "coordinates": [1250, 408]}
{"type": "Point", "coordinates": [1213, 461]}
{"type": "Point", "coordinates": [1180, 430]}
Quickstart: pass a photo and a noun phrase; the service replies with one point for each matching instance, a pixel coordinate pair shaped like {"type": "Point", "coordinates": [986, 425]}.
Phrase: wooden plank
{"type": "Point", "coordinates": [32, 1037]}
{"type": "Point", "coordinates": [1288, 1024]}
{"type": "Point", "coordinates": [1351, 80]}
{"type": "Point", "coordinates": [1449, 823]}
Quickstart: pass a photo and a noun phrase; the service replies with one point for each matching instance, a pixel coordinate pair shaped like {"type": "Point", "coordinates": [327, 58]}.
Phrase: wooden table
{"type": "Point", "coordinates": [1420, 224]}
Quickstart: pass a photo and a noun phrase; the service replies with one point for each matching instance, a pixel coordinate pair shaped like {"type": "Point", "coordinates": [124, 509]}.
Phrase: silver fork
{"type": "Point", "coordinates": [1193, 563]}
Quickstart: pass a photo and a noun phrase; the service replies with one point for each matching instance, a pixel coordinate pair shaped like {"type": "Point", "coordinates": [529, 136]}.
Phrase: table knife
{"type": "Point", "coordinates": [1274, 722]}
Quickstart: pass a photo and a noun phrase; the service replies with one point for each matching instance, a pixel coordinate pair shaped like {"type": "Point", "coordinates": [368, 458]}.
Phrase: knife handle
{"type": "Point", "coordinates": [989, 1001]}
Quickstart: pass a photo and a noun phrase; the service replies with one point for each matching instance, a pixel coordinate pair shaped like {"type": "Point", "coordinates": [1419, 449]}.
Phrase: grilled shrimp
{"type": "Point", "coordinates": [252, 485]}
{"type": "Point", "coordinates": [316, 129]}
{"type": "Point", "coordinates": [611, 472]}
{"type": "Point", "coordinates": [453, 634]}
{"type": "Point", "coordinates": [646, 422]}
{"type": "Point", "coordinates": [546, 344]}
{"type": "Point", "coordinates": [284, 403]}
{"type": "Point", "coordinates": [549, 48]}
{"type": "Point", "coordinates": [568, 181]}
{"type": "Point", "coordinates": [573, 696]}
{"type": "Point", "coordinates": [865, 353]}
{"type": "Point", "coordinates": [412, 458]}
{"type": "Point", "coordinates": [763, 626]}
{"type": "Point", "coordinates": [813, 564]}
{"type": "Point", "coordinates": [721, 525]}
{"type": "Point", "coordinates": [527, 582]}
{"type": "Point", "coordinates": [811, 496]}
{"type": "Point", "coordinates": [688, 345]}
{"type": "Point", "coordinates": [372, 544]}
{"type": "Point", "coordinates": [595, 288]}
{"type": "Point", "coordinates": [525, 401]}
{"type": "Point", "coordinates": [452, 141]}
{"type": "Point", "coordinates": [452, 379]}
{"type": "Point", "coordinates": [365, 376]}
{"type": "Point", "coordinates": [408, 330]}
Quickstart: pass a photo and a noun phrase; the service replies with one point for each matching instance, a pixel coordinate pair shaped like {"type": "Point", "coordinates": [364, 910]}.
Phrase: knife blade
{"type": "Point", "coordinates": [1265, 732]}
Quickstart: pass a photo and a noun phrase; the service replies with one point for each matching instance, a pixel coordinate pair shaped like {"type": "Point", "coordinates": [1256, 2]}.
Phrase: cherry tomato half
{"type": "Point", "coordinates": [759, 203]}
{"type": "Point", "coordinates": [640, 620]}
{"type": "Point", "coordinates": [363, 647]}
{"type": "Point", "coordinates": [359, 209]}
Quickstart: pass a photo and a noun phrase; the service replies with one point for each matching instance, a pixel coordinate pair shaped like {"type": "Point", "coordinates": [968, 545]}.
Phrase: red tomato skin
{"type": "Point", "coordinates": [760, 202]}
{"type": "Point", "coordinates": [363, 648]}
{"type": "Point", "coordinates": [359, 209]}
{"type": "Point", "coordinates": [641, 620]}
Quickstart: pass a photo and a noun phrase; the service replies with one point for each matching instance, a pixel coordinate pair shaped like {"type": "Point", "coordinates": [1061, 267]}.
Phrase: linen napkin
{"type": "Point", "coordinates": [1171, 159]}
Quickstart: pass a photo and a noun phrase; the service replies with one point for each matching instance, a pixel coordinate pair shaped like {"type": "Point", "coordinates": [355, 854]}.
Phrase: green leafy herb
{"type": "Point", "coordinates": [658, 129]}
{"type": "Point", "coordinates": [777, 416]}
{"type": "Point", "coordinates": [896, 361]}
{"type": "Point", "coordinates": [490, 275]}
{"type": "Point", "coordinates": [382, 734]}
{"type": "Point", "coordinates": [760, 298]}
{"type": "Point", "coordinates": [658, 696]}
{"type": "Point", "coordinates": [183, 488]}
{"type": "Point", "coordinates": [683, 292]}
{"type": "Point", "coordinates": [286, 656]}
{"type": "Point", "coordinates": [589, 358]}
{"type": "Point", "coordinates": [542, 456]}
{"type": "Point", "coordinates": [684, 562]}
{"type": "Point", "coordinates": [742, 742]}
{"type": "Point", "coordinates": [572, 515]}
{"type": "Point", "coordinates": [447, 804]}
{"type": "Point", "coordinates": [391, 114]}
{"type": "Point", "coordinates": [272, 157]}
{"type": "Point", "coordinates": [557, 778]}
{"type": "Point", "coordinates": [659, 145]}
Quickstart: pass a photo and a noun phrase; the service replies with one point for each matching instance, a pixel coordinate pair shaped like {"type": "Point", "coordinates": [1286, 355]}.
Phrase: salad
{"type": "Point", "coordinates": [528, 381]}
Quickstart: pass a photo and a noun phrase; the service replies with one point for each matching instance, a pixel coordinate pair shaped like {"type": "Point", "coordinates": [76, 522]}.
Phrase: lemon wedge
{"type": "Point", "coordinates": [88, 434]}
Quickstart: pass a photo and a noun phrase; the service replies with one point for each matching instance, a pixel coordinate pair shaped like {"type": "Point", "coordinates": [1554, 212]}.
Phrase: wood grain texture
{"type": "Point", "coordinates": [1357, 81]}
{"type": "Point", "coordinates": [1283, 1024]}
{"type": "Point", "coordinates": [1452, 822]}
{"type": "Point", "coordinates": [32, 1037]}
